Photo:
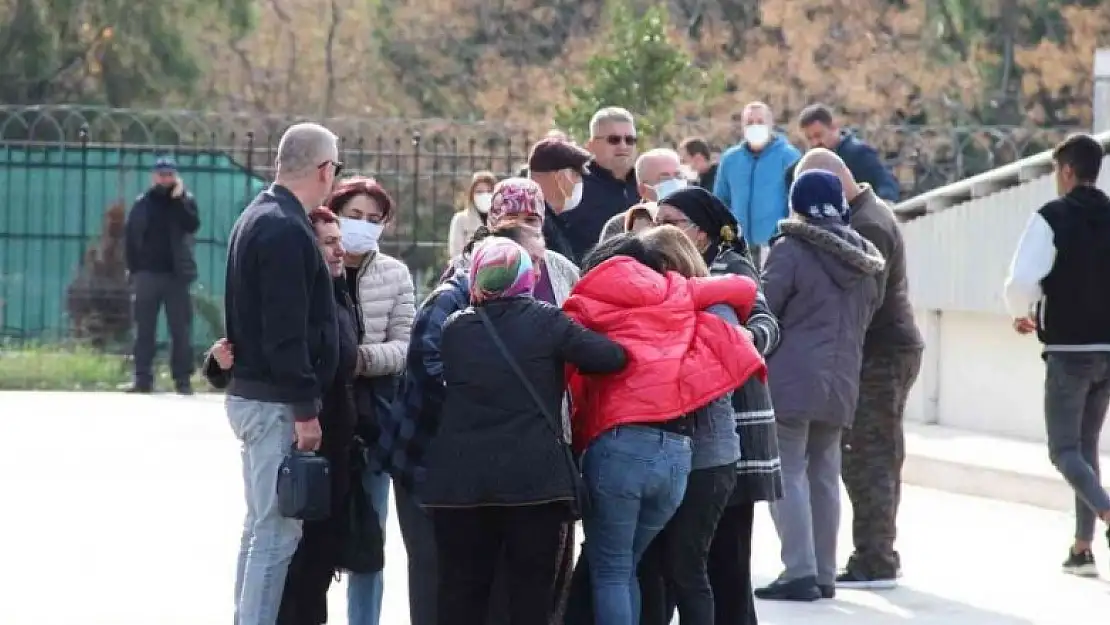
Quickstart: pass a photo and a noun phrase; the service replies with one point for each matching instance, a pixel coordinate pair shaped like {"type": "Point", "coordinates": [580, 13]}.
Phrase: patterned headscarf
{"type": "Point", "coordinates": [515, 196]}
{"type": "Point", "coordinates": [500, 268]}
{"type": "Point", "coordinates": [818, 197]}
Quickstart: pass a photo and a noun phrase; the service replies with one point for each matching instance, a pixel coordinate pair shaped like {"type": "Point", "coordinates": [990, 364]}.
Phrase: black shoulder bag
{"type": "Point", "coordinates": [581, 502]}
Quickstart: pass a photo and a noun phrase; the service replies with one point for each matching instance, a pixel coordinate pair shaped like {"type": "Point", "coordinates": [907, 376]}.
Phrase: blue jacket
{"type": "Point", "coordinates": [408, 429]}
{"type": "Point", "coordinates": [753, 186]}
{"type": "Point", "coordinates": [866, 166]}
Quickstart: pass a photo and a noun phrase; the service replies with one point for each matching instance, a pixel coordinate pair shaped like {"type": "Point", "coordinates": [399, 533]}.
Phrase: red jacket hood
{"type": "Point", "coordinates": [679, 357]}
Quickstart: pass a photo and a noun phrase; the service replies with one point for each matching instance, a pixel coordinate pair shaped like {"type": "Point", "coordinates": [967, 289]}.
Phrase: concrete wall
{"type": "Point", "coordinates": [979, 375]}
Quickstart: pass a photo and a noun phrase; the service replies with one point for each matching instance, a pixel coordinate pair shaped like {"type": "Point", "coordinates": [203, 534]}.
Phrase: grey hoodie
{"type": "Point", "coordinates": [824, 283]}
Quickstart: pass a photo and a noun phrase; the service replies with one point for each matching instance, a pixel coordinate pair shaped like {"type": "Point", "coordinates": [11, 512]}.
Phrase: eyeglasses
{"type": "Point", "coordinates": [681, 224]}
{"type": "Point", "coordinates": [338, 165]}
{"type": "Point", "coordinates": [617, 139]}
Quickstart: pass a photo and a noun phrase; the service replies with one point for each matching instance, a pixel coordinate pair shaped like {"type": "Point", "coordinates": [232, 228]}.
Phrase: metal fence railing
{"type": "Point", "coordinates": [68, 175]}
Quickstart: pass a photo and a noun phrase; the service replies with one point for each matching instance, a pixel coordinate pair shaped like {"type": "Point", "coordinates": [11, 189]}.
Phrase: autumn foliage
{"type": "Point", "coordinates": [943, 64]}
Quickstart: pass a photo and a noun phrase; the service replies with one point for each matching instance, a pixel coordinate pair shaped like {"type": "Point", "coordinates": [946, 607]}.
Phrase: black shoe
{"type": "Point", "coordinates": [828, 591]}
{"type": "Point", "coordinates": [183, 388]}
{"type": "Point", "coordinates": [1081, 564]}
{"type": "Point", "coordinates": [141, 389]}
{"type": "Point", "coordinates": [801, 589]}
{"type": "Point", "coordinates": [852, 577]}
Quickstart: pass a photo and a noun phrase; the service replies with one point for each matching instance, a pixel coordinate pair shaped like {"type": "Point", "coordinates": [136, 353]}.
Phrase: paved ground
{"type": "Point", "coordinates": [118, 510]}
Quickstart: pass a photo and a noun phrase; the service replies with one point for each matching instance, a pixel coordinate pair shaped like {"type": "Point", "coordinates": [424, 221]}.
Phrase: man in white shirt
{"type": "Point", "coordinates": [1058, 288]}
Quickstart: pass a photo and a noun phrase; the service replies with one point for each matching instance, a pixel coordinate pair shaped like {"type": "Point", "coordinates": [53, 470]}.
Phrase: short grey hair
{"type": "Point", "coordinates": [751, 106]}
{"type": "Point", "coordinates": [303, 147]}
{"type": "Point", "coordinates": [641, 162]}
{"type": "Point", "coordinates": [610, 114]}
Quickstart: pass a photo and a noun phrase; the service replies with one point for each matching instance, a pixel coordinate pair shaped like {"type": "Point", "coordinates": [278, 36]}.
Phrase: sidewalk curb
{"type": "Point", "coordinates": [977, 480]}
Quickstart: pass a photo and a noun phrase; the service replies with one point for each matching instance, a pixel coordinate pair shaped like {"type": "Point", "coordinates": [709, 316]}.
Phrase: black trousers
{"type": "Point", "coordinates": [673, 572]}
{"type": "Point", "coordinates": [150, 292]}
{"type": "Point", "coordinates": [730, 566]}
{"type": "Point", "coordinates": [304, 600]}
{"type": "Point", "coordinates": [418, 534]}
{"type": "Point", "coordinates": [474, 543]}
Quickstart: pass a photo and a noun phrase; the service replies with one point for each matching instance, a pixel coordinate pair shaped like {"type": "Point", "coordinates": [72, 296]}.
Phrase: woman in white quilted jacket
{"type": "Point", "coordinates": [383, 291]}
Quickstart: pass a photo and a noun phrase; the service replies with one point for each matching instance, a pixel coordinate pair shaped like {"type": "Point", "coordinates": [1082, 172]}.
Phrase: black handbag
{"type": "Point", "coordinates": [373, 398]}
{"type": "Point", "coordinates": [361, 543]}
{"type": "Point", "coordinates": [581, 504]}
{"type": "Point", "coordinates": [304, 486]}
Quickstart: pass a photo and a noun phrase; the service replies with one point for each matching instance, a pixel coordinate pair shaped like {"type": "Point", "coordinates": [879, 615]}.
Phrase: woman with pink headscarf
{"type": "Point", "coordinates": [501, 482]}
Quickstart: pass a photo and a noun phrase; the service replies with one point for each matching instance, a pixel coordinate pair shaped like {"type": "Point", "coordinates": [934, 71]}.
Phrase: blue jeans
{"type": "Point", "coordinates": [636, 476]}
{"type": "Point", "coordinates": [364, 590]}
{"type": "Point", "coordinates": [269, 539]}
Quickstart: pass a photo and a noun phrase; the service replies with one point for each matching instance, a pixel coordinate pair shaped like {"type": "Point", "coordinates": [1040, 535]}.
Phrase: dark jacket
{"type": "Point", "coordinates": [495, 446]}
{"type": "Point", "coordinates": [556, 235]}
{"type": "Point", "coordinates": [866, 166]}
{"type": "Point", "coordinates": [1075, 307]}
{"type": "Point", "coordinates": [280, 306]}
{"type": "Point", "coordinates": [708, 179]}
{"type": "Point", "coordinates": [894, 327]}
{"type": "Point", "coordinates": [603, 195]}
{"type": "Point", "coordinates": [159, 234]}
{"type": "Point", "coordinates": [409, 427]}
{"type": "Point", "coordinates": [824, 285]}
{"type": "Point", "coordinates": [759, 470]}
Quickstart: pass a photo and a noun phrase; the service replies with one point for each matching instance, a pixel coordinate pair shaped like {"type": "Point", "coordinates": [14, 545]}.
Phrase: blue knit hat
{"type": "Point", "coordinates": [818, 196]}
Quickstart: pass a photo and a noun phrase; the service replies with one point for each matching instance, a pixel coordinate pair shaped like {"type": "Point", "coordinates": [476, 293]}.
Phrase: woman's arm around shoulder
{"type": "Point", "coordinates": [738, 292]}
{"type": "Point", "coordinates": [587, 350]}
{"type": "Point", "coordinates": [762, 323]}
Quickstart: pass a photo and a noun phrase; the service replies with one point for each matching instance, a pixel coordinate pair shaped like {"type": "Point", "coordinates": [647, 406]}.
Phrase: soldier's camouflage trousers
{"type": "Point", "coordinates": [874, 450]}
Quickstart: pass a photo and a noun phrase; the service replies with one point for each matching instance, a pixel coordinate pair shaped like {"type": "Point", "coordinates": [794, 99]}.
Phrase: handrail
{"type": "Point", "coordinates": [993, 181]}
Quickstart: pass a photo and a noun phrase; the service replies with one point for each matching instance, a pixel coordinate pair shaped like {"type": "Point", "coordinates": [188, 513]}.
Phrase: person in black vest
{"type": "Point", "coordinates": [1057, 287]}
{"type": "Point", "coordinates": [159, 253]}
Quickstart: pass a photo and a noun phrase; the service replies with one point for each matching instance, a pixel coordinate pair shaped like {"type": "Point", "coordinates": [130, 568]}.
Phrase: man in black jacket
{"type": "Point", "coordinates": [609, 187]}
{"type": "Point", "coordinates": [281, 320]}
{"type": "Point", "coordinates": [158, 245]}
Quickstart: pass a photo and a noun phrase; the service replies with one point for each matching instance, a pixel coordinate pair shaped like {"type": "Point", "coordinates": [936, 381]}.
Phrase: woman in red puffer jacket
{"type": "Point", "coordinates": [634, 426]}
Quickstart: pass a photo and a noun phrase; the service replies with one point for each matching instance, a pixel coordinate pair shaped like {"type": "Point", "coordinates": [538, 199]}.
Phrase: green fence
{"type": "Point", "coordinates": [53, 201]}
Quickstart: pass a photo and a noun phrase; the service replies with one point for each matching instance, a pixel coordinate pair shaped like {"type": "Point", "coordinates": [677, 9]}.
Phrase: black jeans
{"type": "Point", "coordinates": [473, 543]}
{"type": "Point", "coordinates": [730, 566]}
{"type": "Point", "coordinates": [418, 534]}
{"type": "Point", "coordinates": [304, 600]}
{"type": "Point", "coordinates": [150, 292]}
{"type": "Point", "coordinates": [674, 570]}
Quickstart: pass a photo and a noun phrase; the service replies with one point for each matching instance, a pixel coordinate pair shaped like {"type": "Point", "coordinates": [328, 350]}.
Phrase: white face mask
{"type": "Point", "coordinates": [757, 134]}
{"type": "Point", "coordinates": [667, 187]}
{"type": "Point", "coordinates": [482, 202]}
{"type": "Point", "coordinates": [575, 198]}
{"type": "Point", "coordinates": [359, 237]}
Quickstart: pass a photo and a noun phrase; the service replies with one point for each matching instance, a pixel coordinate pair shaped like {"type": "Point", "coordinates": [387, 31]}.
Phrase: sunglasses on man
{"type": "Point", "coordinates": [618, 139]}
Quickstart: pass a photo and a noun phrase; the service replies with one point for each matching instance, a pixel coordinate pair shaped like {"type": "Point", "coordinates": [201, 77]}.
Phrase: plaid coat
{"type": "Point", "coordinates": [759, 471]}
{"type": "Point", "coordinates": [409, 427]}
